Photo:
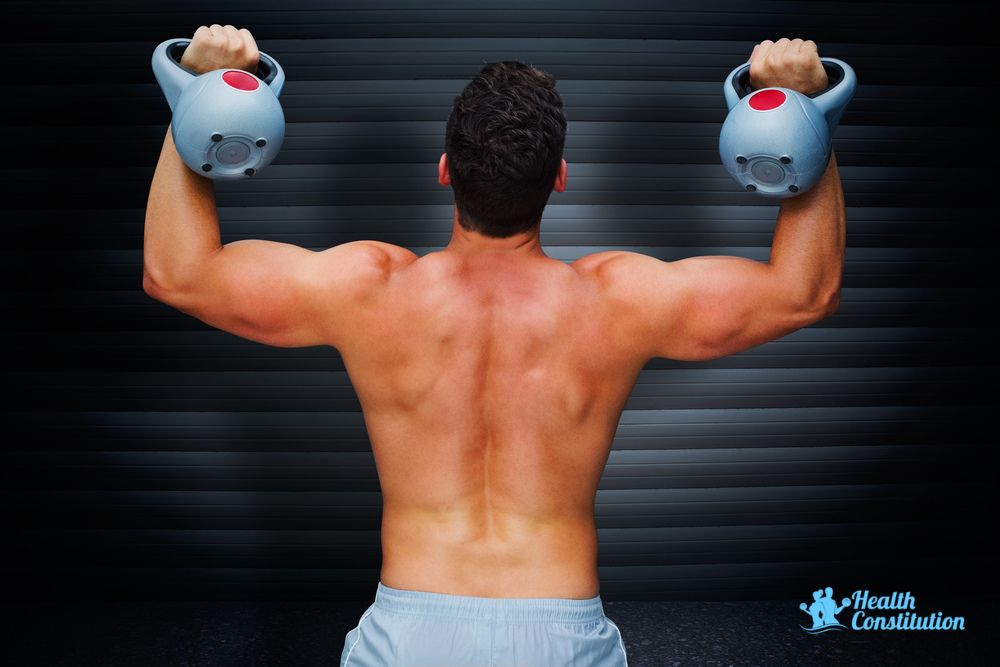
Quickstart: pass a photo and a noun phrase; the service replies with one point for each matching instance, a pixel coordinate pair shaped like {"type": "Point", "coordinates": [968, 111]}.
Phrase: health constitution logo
{"type": "Point", "coordinates": [868, 613]}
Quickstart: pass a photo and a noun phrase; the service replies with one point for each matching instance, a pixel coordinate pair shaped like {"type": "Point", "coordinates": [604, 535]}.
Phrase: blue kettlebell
{"type": "Point", "coordinates": [227, 124]}
{"type": "Point", "coordinates": [777, 141]}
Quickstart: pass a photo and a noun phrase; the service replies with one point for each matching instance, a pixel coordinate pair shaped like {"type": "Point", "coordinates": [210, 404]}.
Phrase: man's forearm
{"type": "Point", "coordinates": [182, 226]}
{"type": "Point", "coordinates": [809, 241]}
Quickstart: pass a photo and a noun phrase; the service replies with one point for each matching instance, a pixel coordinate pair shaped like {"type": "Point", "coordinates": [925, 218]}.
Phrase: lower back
{"type": "Point", "coordinates": [489, 555]}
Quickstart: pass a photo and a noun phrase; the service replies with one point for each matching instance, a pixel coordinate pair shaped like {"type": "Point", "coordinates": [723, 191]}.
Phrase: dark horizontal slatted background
{"type": "Point", "coordinates": [148, 454]}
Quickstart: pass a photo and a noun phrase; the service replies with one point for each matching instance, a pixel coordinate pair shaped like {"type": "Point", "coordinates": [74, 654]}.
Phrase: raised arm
{"type": "Point", "coordinates": [709, 307]}
{"type": "Point", "coordinates": [274, 293]}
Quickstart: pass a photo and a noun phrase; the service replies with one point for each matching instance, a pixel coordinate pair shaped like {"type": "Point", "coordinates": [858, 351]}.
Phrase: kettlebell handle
{"type": "Point", "coordinates": [173, 76]}
{"type": "Point", "coordinates": [831, 100]}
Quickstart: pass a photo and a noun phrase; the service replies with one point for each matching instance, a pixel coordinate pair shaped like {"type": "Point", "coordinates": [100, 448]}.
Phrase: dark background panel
{"type": "Point", "coordinates": [148, 455]}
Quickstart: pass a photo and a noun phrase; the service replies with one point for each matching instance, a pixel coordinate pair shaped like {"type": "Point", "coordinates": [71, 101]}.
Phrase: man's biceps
{"type": "Point", "coordinates": [250, 262]}
{"type": "Point", "coordinates": [281, 268]}
{"type": "Point", "coordinates": [719, 299]}
{"type": "Point", "coordinates": [721, 270]}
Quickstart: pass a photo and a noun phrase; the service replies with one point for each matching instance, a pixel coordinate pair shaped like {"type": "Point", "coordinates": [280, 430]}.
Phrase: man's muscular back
{"type": "Point", "coordinates": [491, 387]}
{"type": "Point", "coordinates": [491, 376]}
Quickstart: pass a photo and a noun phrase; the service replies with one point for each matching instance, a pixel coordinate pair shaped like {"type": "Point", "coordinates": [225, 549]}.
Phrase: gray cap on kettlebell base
{"type": "Point", "coordinates": [238, 131]}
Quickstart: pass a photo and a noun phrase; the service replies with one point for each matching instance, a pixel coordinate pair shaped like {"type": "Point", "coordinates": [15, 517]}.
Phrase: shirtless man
{"type": "Point", "coordinates": [491, 376]}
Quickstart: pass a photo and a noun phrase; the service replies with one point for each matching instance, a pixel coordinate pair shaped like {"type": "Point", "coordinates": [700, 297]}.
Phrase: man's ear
{"type": "Point", "coordinates": [560, 185]}
{"type": "Point", "coordinates": [443, 177]}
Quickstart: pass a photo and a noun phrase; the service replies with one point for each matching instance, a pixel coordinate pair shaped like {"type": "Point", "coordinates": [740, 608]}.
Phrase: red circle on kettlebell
{"type": "Point", "coordinates": [240, 80]}
{"type": "Point", "coordinates": [767, 100]}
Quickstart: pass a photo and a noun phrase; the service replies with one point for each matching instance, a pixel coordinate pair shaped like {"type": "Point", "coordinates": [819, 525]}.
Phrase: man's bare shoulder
{"type": "Point", "coordinates": [612, 268]}
{"type": "Point", "coordinates": [591, 264]}
{"type": "Point", "coordinates": [390, 257]}
{"type": "Point", "coordinates": [355, 271]}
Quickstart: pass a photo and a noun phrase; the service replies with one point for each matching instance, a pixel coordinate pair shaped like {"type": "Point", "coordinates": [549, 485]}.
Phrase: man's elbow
{"type": "Point", "coordinates": [825, 305]}
{"type": "Point", "coordinates": [155, 288]}
{"type": "Point", "coordinates": [149, 285]}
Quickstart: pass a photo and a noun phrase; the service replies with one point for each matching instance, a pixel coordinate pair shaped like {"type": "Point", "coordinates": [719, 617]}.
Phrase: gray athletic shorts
{"type": "Point", "coordinates": [417, 629]}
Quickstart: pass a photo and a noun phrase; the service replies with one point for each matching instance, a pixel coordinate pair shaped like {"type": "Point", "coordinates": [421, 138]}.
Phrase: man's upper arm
{"type": "Point", "coordinates": [703, 307]}
{"type": "Point", "coordinates": [282, 294]}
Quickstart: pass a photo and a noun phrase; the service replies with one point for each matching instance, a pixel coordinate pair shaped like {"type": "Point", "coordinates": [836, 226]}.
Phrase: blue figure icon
{"type": "Point", "coordinates": [830, 608]}
{"type": "Point", "coordinates": [816, 609]}
{"type": "Point", "coordinates": [823, 611]}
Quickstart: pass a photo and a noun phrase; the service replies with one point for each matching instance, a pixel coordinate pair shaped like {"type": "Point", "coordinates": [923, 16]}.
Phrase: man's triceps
{"type": "Point", "coordinates": [278, 293]}
{"type": "Point", "coordinates": [707, 307]}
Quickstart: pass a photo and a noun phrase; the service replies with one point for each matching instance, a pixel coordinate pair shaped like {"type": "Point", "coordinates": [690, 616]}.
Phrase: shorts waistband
{"type": "Point", "coordinates": [559, 610]}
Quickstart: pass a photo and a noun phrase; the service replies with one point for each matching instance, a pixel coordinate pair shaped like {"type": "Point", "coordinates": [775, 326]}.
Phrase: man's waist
{"type": "Point", "coordinates": [525, 559]}
{"type": "Point", "coordinates": [504, 610]}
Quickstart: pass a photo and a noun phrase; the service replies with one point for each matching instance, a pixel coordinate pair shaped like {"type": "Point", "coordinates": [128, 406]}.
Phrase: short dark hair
{"type": "Point", "coordinates": [504, 141]}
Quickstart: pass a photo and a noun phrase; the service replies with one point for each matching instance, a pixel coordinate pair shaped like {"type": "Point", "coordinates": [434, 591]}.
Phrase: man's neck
{"type": "Point", "coordinates": [466, 242]}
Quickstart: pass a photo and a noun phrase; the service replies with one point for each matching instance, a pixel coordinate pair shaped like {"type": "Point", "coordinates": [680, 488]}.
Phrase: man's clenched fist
{"type": "Point", "coordinates": [221, 47]}
{"type": "Point", "coordinates": [787, 63]}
